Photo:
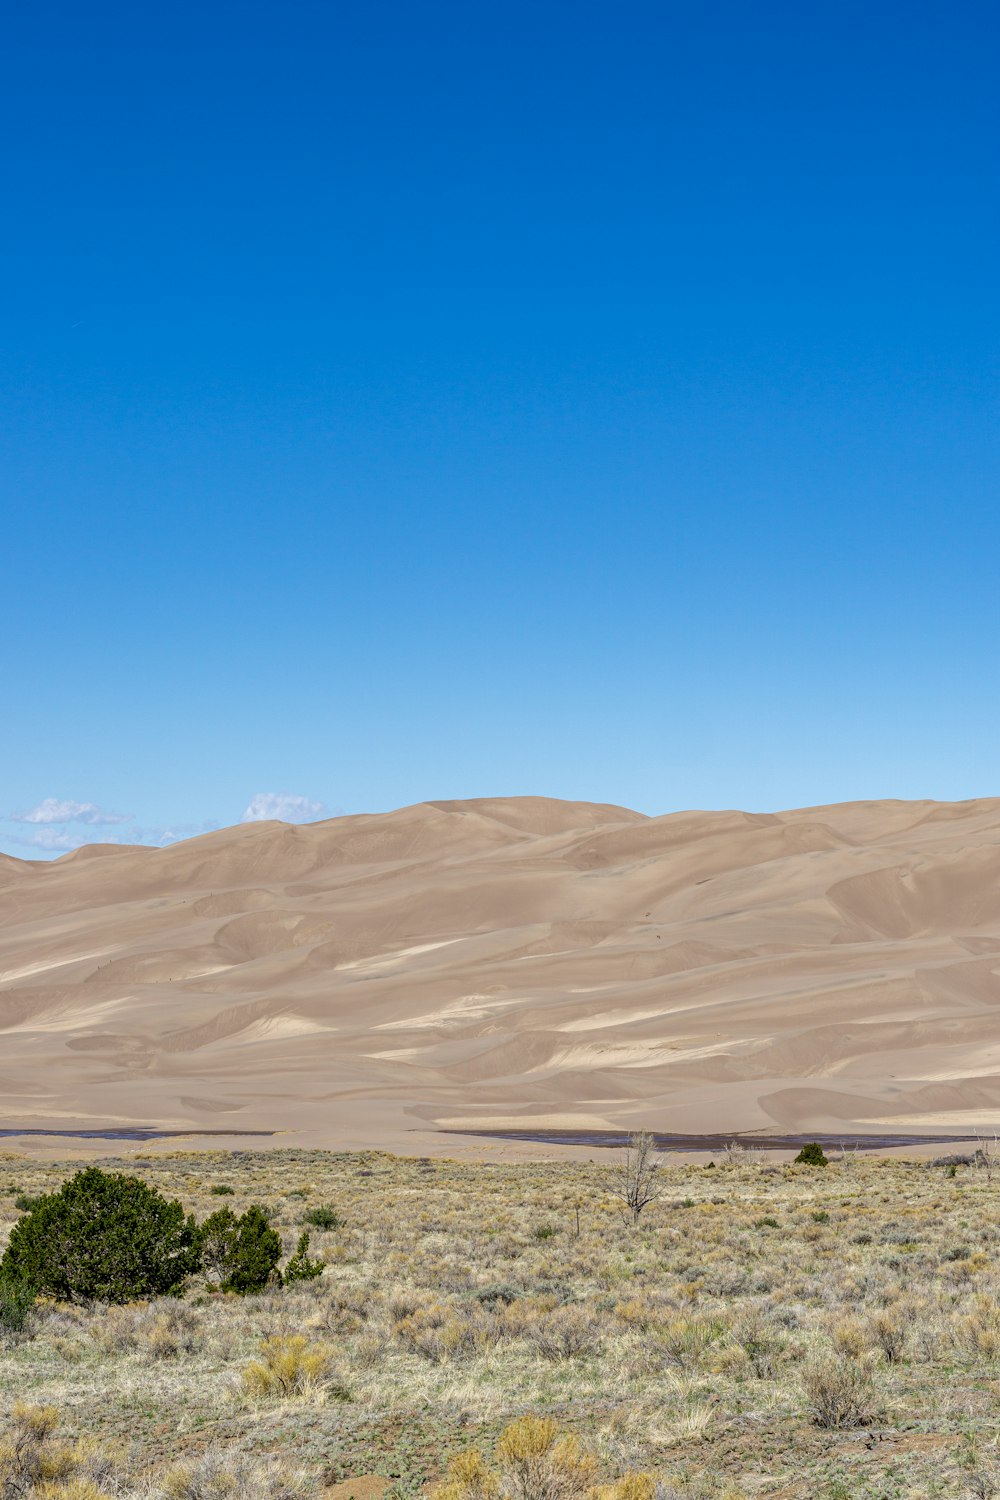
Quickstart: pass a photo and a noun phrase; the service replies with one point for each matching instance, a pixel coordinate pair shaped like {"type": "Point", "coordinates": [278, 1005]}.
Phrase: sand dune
{"type": "Point", "coordinates": [506, 962]}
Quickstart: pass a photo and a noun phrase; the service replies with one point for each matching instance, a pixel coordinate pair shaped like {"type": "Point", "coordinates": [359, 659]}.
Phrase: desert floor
{"type": "Point", "coordinates": [706, 1346]}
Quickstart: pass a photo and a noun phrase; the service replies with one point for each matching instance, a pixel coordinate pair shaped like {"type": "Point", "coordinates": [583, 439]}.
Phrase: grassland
{"type": "Point", "coordinates": [765, 1330]}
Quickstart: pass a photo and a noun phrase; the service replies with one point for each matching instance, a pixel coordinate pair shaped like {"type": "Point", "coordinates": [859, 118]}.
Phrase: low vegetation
{"type": "Point", "coordinates": [499, 1331]}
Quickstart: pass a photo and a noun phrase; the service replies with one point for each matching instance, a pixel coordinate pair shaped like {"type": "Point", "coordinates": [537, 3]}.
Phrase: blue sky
{"type": "Point", "coordinates": [410, 402]}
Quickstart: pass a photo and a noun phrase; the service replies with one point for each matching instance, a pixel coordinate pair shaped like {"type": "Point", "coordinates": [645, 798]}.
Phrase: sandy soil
{"type": "Point", "coordinates": [508, 963]}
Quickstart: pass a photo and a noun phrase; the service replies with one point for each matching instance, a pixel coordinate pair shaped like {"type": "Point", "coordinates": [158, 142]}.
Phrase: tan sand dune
{"type": "Point", "coordinates": [513, 963]}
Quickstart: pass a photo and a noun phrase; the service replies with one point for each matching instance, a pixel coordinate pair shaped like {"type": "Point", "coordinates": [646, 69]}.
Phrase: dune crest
{"type": "Point", "coordinates": [510, 960]}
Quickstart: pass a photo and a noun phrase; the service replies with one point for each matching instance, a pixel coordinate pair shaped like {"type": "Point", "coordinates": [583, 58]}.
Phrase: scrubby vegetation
{"type": "Point", "coordinates": [102, 1236]}
{"type": "Point", "coordinates": [239, 1254]}
{"type": "Point", "coordinates": [812, 1155]}
{"type": "Point", "coordinates": [762, 1330]}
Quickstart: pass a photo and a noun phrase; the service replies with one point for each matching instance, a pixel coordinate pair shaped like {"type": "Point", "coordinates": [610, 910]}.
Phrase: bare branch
{"type": "Point", "coordinates": [635, 1179]}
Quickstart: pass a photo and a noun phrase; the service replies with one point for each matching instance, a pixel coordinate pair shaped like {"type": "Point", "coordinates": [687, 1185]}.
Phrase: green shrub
{"type": "Point", "coordinates": [222, 1190]}
{"type": "Point", "coordinates": [301, 1267]}
{"type": "Point", "coordinates": [322, 1217]}
{"type": "Point", "coordinates": [811, 1155]}
{"type": "Point", "coordinates": [27, 1201]}
{"type": "Point", "coordinates": [102, 1237]}
{"type": "Point", "coordinates": [240, 1254]}
{"type": "Point", "coordinates": [16, 1302]}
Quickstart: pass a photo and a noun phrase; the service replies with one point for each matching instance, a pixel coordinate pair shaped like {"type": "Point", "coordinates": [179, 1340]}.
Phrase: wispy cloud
{"type": "Point", "coordinates": [58, 825]}
{"type": "Point", "coordinates": [288, 807]}
{"type": "Point", "coordinates": [54, 810]}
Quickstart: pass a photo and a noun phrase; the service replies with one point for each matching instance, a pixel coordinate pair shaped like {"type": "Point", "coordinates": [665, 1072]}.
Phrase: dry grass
{"type": "Point", "coordinates": [768, 1331]}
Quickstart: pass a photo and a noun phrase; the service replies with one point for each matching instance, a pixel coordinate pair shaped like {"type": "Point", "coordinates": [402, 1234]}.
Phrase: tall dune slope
{"type": "Point", "coordinates": [513, 962]}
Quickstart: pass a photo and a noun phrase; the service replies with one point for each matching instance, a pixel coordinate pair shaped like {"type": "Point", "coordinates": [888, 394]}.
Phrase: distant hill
{"type": "Point", "coordinates": [514, 961]}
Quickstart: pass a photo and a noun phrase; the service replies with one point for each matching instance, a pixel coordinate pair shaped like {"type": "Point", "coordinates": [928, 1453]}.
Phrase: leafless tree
{"type": "Point", "coordinates": [635, 1179]}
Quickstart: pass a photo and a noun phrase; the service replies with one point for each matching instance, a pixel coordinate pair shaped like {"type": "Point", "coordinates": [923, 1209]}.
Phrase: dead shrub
{"type": "Point", "coordinates": [888, 1333]}
{"type": "Point", "coordinates": [565, 1333]}
{"type": "Point", "coordinates": [839, 1392]}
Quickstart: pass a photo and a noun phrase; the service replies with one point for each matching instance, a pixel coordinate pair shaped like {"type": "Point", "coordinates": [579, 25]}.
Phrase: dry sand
{"type": "Point", "coordinates": [509, 963]}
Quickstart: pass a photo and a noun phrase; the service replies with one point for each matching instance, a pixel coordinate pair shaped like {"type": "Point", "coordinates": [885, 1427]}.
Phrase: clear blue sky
{"type": "Point", "coordinates": [417, 401]}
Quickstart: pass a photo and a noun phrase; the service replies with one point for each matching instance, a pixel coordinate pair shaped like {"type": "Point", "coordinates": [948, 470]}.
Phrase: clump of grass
{"type": "Point", "coordinates": [534, 1461]}
{"type": "Point", "coordinates": [218, 1475]}
{"type": "Point", "coordinates": [288, 1366]}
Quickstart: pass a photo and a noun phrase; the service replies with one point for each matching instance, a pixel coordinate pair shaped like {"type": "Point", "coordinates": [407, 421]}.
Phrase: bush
{"type": "Point", "coordinates": [565, 1332]}
{"type": "Point", "coordinates": [240, 1254]}
{"type": "Point", "coordinates": [533, 1462]}
{"type": "Point", "coordinates": [323, 1217]}
{"type": "Point", "coordinates": [811, 1155]}
{"type": "Point", "coordinates": [102, 1237]}
{"type": "Point", "coordinates": [301, 1267]}
{"type": "Point", "coordinates": [287, 1367]}
{"type": "Point", "coordinates": [16, 1302]}
{"type": "Point", "coordinates": [35, 1463]}
{"type": "Point", "coordinates": [222, 1190]}
{"type": "Point", "coordinates": [839, 1393]}
{"type": "Point", "coordinates": [491, 1296]}
{"type": "Point", "coordinates": [25, 1202]}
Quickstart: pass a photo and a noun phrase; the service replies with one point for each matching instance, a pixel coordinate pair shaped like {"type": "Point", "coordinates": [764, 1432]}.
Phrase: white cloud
{"type": "Point", "coordinates": [52, 810]}
{"type": "Point", "coordinates": [285, 806]}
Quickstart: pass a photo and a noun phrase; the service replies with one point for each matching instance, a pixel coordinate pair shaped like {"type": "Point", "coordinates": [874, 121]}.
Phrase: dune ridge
{"type": "Point", "coordinates": [511, 962]}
